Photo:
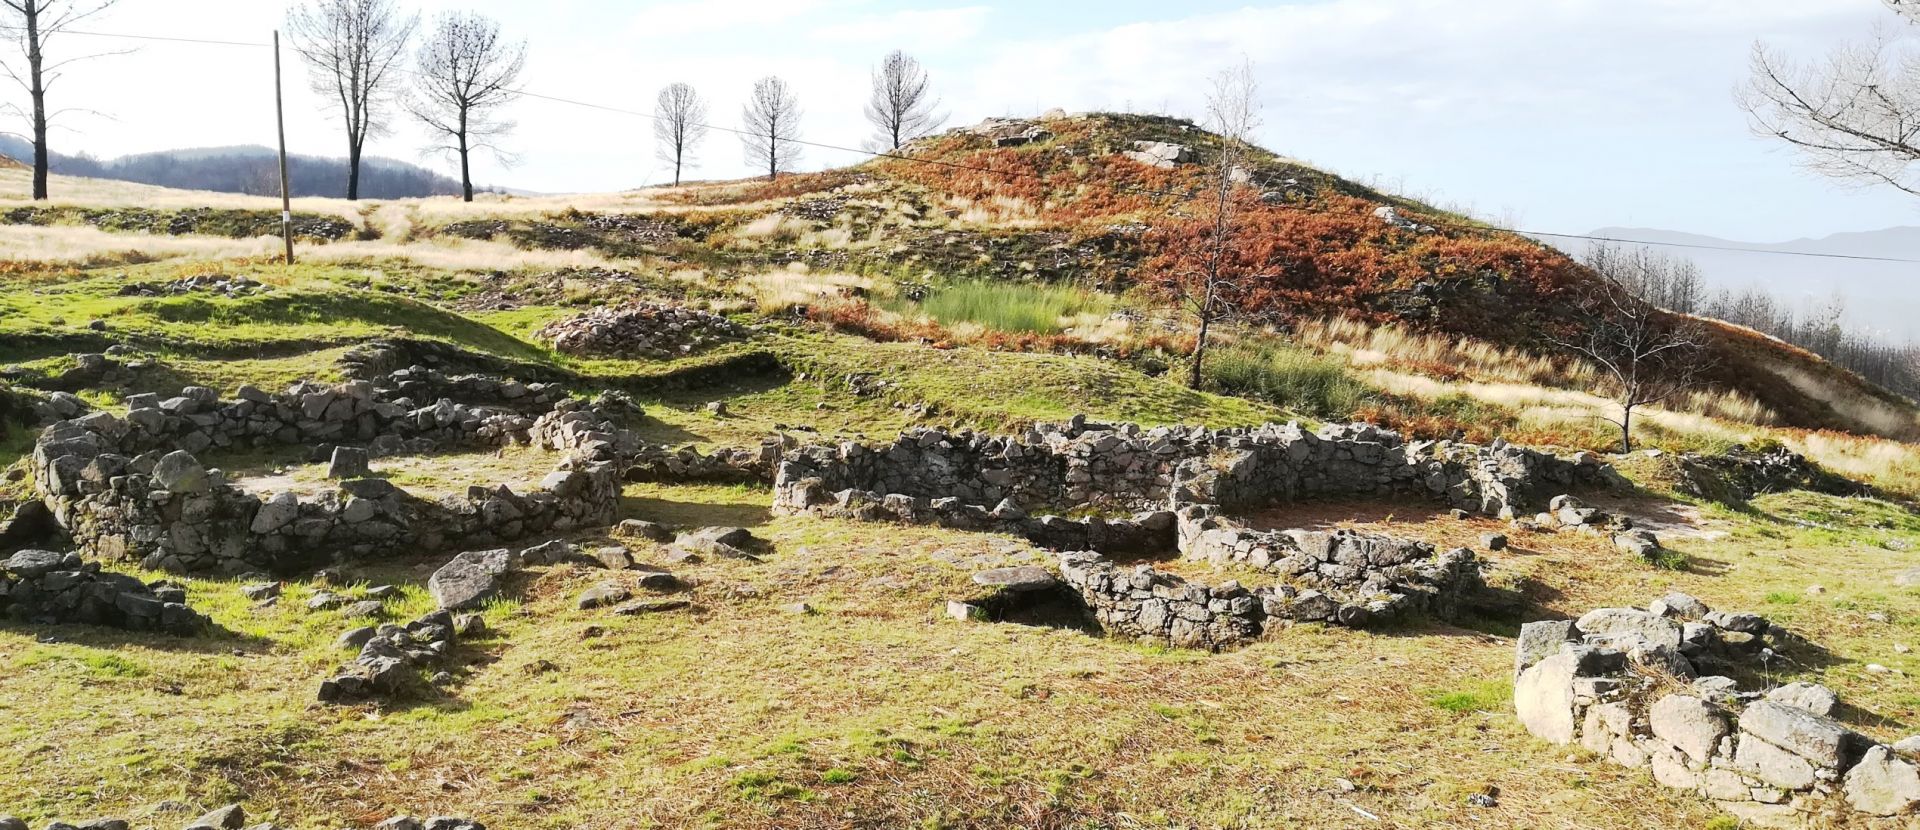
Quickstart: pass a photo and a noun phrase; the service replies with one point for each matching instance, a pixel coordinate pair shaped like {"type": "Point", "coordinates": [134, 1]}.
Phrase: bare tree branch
{"type": "Point", "coordinates": [1854, 116]}
{"type": "Point", "coordinates": [679, 124]}
{"type": "Point", "coordinates": [901, 109]}
{"type": "Point", "coordinates": [466, 73]}
{"type": "Point", "coordinates": [354, 49]}
{"type": "Point", "coordinates": [770, 125]}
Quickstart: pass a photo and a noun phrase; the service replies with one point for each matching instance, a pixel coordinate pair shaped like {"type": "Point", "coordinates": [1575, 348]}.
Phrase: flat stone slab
{"type": "Point", "coordinates": [651, 606]}
{"type": "Point", "coordinates": [1023, 578]}
{"type": "Point", "coordinates": [31, 564]}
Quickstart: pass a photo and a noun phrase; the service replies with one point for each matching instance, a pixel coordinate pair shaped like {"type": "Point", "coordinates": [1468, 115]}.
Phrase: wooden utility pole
{"type": "Point", "coordinates": [280, 114]}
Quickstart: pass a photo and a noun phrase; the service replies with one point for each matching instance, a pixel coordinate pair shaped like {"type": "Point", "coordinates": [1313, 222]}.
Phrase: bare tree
{"type": "Point", "coordinates": [1647, 355]}
{"type": "Point", "coordinates": [1855, 116]}
{"type": "Point", "coordinates": [354, 48]}
{"type": "Point", "coordinates": [901, 108]}
{"type": "Point", "coordinates": [35, 22]}
{"type": "Point", "coordinates": [1211, 274]}
{"type": "Point", "coordinates": [771, 126]}
{"type": "Point", "coordinates": [466, 73]}
{"type": "Point", "coordinates": [679, 123]}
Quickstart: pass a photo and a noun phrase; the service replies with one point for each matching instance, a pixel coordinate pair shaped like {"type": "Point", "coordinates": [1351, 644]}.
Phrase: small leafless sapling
{"type": "Point", "coordinates": [1233, 113]}
{"type": "Point", "coordinates": [679, 124]}
{"type": "Point", "coordinates": [901, 108]}
{"type": "Point", "coordinates": [771, 127]}
{"type": "Point", "coordinates": [1646, 355]}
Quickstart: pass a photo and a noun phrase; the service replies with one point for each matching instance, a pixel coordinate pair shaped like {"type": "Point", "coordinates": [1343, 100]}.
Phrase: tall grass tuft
{"type": "Point", "coordinates": [1290, 376]}
{"type": "Point", "coordinates": [1017, 308]}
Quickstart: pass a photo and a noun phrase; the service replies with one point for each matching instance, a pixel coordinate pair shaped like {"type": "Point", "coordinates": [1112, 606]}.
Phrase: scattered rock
{"type": "Point", "coordinates": [1493, 541]}
{"type": "Point", "coordinates": [230, 817]}
{"type": "Point", "coordinates": [644, 530]}
{"type": "Point", "coordinates": [600, 596]}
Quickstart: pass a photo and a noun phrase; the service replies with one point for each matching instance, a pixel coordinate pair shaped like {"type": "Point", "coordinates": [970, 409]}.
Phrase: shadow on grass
{"type": "Point", "coordinates": [695, 514]}
{"type": "Point", "coordinates": [215, 639]}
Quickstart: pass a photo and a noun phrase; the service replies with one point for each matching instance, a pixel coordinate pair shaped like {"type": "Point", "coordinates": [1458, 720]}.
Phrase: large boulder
{"type": "Point", "coordinates": [1884, 784]}
{"type": "Point", "coordinates": [470, 579]}
{"type": "Point", "coordinates": [1543, 698]}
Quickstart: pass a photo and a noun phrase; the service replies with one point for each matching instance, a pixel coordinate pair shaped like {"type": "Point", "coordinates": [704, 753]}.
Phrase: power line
{"type": "Point", "coordinates": [1733, 248]}
{"type": "Point", "coordinates": [1182, 196]}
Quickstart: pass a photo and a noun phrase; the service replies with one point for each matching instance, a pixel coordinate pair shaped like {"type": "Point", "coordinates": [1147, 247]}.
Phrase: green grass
{"type": "Point", "coordinates": [1477, 696]}
{"type": "Point", "coordinates": [1288, 376]}
{"type": "Point", "coordinates": [984, 388]}
{"type": "Point", "coordinates": [1017, 308]}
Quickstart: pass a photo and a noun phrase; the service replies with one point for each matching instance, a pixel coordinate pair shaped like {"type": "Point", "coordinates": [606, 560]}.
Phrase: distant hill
{"type": "Point", "coordinates": [249, 169]}
{"type": "Point", "coordinates": [1881, 296]}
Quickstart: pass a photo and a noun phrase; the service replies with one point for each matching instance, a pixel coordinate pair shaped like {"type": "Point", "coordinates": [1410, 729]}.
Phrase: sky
{"type": "Point", "coordinates": [1553, 115]}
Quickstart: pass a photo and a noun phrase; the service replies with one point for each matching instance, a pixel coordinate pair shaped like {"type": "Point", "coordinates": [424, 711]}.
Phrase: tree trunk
{"type": "Point", "coordinates": [37, 90]}
{"type": "Point", "coordinates": [1626, 429]}
{"type": "Point", "coordinates": [466, 171]}
{"type": "Point", "coordinates": [678, 153]}
{"type": "Point", "coordinates": [1195, 377]}
{"type": "Point", "coordinates": [353, 171]}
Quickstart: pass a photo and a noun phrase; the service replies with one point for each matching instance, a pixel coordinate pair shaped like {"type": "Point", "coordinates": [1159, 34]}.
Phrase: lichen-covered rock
{"type": "Point", "coordinates": [470, 579]}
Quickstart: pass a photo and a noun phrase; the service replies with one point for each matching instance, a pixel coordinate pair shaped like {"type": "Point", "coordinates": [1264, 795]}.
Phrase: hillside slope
{"type": "Point", "coordinates": [1331, 254]}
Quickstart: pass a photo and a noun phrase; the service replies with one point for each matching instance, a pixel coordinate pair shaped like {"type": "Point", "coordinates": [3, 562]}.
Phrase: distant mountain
{"type": "Point", "coordinates": [249, 169]}
{"type": "Point", "coordinates": [1881, 296]}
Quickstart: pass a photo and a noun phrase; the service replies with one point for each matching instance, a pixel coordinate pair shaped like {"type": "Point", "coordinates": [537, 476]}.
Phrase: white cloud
{"type": "Point", "coordinates": [910, 28]}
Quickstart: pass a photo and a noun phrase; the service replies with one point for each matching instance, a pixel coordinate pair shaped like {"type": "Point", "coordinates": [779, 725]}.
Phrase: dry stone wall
{"type": "Point", "coordinates": [46, 587]}
{"type": "Point", "coordinates": [1632, 686]}
{"type": "Point", "coordinates": [132, 488]}
{"type": "Point", "coordinates": [1184, 483]}
{"type": "Point", "coordinates": [976, 481]}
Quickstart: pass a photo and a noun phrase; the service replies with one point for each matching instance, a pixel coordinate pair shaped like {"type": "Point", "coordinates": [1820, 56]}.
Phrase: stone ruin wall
{"type": "Point", "coordinates": [1184, 482]}
{"type": "Point", "coordinates": [131, 489]}
{"type": "Point", "coordinates": [976, 481]}
{"type": "Point", "coordinates": [1633, 686]}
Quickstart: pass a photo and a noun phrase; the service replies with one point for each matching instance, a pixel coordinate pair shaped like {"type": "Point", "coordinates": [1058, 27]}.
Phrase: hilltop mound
{"type": "Point", "coordinates": [1086, 197]}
